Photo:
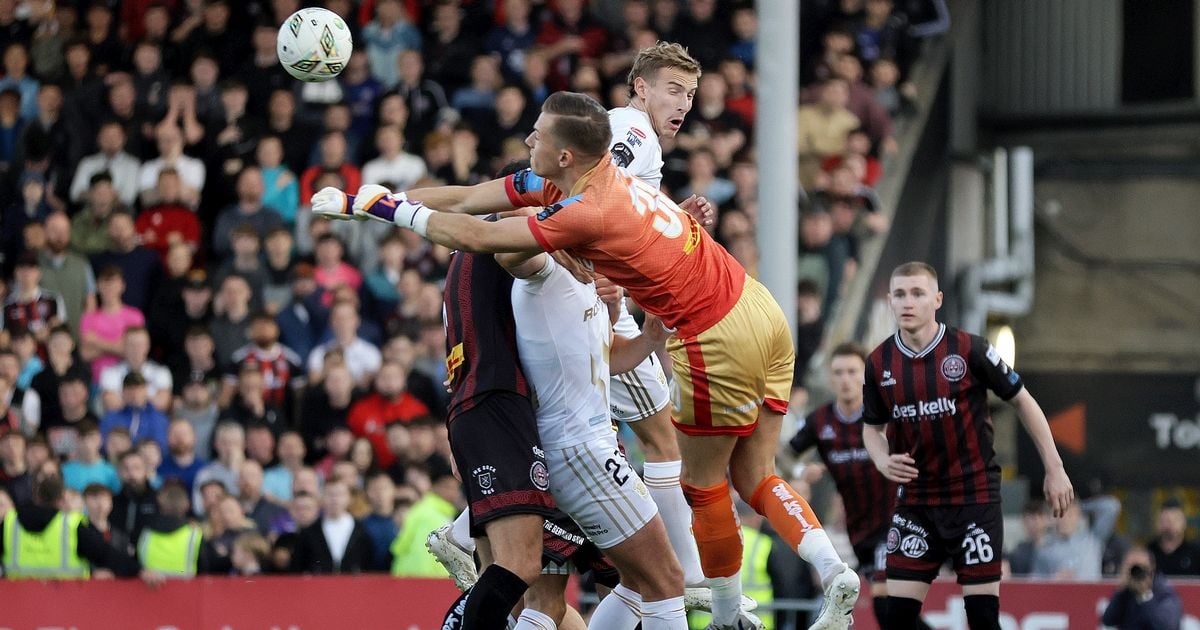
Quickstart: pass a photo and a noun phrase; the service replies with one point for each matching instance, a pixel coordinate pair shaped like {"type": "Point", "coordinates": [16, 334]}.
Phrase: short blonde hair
{"type": "Point", "coordinates": [915, 268]}
{"type": "Point", "coordinates": [661, 55]}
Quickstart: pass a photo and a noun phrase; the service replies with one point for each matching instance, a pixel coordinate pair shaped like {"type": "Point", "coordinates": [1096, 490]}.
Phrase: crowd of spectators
{"type": "Point", "coordinates": [173, 314]}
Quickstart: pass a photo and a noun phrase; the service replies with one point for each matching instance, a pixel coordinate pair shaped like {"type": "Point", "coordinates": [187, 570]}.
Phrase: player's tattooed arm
{"type": "Point", "coordinates": [897, 467]}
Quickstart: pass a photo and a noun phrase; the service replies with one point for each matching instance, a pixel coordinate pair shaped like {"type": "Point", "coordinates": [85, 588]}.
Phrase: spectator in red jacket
{"type": "Point", "coordinates": [390, 402]}
{"type": "Point", "coordinates": [334, 156]}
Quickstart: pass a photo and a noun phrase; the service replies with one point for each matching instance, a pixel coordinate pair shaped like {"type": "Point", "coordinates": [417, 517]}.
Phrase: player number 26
{"type": "Point", "coordinates": [648, 200]}
{"type": "Point", "coordinates": [979, 549]}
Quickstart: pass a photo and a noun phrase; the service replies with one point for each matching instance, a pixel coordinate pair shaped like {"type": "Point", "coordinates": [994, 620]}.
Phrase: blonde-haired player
{"type": "Point", "coordinates": [732, 353]}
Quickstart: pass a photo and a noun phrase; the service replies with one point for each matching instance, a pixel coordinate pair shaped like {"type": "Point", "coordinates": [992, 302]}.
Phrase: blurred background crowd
{"type": "Point", "coordinates": [181, 339]}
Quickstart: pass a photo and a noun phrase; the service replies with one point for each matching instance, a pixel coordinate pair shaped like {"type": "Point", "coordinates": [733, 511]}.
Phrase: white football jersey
{"type": "Point", "coordinates": [563, 337]}
{"type": "Point", "coordinates": [635, 146]}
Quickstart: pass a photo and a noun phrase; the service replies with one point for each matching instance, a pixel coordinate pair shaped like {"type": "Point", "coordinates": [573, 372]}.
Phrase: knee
{"type": "Point", "coordinates": [522, 563]}
{"type": "Point", "coordinates": [553, 607]}
{"type": "Point", "coordinates": [664, 582]}
{"type": "Point", "coordinates": [658, 438]}
{"type": "Point", "coordinates": [746, 477]}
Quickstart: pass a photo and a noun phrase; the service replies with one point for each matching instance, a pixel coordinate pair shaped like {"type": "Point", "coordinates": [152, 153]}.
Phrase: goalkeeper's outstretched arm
{"type": "Point", "coordinates": [484, 198]}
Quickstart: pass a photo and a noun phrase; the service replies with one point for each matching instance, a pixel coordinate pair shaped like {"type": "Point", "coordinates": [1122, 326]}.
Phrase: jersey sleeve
{"type": "Point", "coordinates": [571, 222]}
{"type": "Point", "coordinates": [524, 189]}
{"type": "Point", "coordinates": [805, 438]}
{"type": "Point", "coordinates": [873, 405]}
{"type": "Point", "coordinates": [632, 149]}
{"type": "Point", "coordinates": [535, 282]}
{"type": "Point", "coordinates": [992, 371]}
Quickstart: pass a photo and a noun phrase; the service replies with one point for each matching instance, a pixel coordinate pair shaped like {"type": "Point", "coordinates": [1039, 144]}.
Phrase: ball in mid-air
{"type": "Point", "coordinates": [314, 45]}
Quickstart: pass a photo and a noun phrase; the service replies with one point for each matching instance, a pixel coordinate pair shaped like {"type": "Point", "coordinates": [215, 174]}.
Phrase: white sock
{"type": "Point", "coordinates": [664, 614]}
{"type": "Point", "coordinates": [816, 549]}
{"type": "Point", "coordinates": [620, 610]}
{"type": "Point", "coordinates": [533, 620]}
{"type": "Point", "coordinates": [460, 533]}
{"type": "Point", "coordinates": [662, 480]}
{"type": "Point", "coordinates": [727, 598]}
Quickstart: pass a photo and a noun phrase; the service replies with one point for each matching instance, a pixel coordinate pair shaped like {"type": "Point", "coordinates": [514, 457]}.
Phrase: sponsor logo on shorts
{"type": "Point", "coordinates": [539, 476]}
{"type": "Point", "coordinates": [555, 529]}
{"type": "Point", "coordinates": [484, 477]}
{"type": "Point", "coordinates": [640, 488]}
{"type": "Point", "coordinates": [913, 546]}
{"type": "Point", "coordinates": [909, 526]}
{"type": "Point", "coordinates": [745, 407]}
{"type": "Point", "coordinates": [893, 540]}
{"type": "Point", "coordinates": [954, 368]}
{"type": "Point", "coordinates": [594, 530]}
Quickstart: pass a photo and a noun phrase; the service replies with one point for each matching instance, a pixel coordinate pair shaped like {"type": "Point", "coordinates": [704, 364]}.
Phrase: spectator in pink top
{"type": "Point", "coordinates": [332, 271]}
{"type": "Point", "coordinates": [101, 329]}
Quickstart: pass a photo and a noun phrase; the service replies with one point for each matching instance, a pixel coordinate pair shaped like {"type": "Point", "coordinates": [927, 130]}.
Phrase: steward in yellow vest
{"type": "Point", "coordinates": [40, 541]}
{"type": "Point", "coordinates": [756, 580]}
{"type": "Point", "coordinates": [170, 544]}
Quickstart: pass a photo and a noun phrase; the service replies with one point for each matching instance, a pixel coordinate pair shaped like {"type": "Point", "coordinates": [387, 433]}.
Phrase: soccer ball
{"type": "Point", "coordinates": [314, 45]}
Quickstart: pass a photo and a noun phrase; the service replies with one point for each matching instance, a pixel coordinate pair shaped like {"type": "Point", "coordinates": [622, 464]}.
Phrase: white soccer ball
{"type": "Point", "coordinates": [314, 45]}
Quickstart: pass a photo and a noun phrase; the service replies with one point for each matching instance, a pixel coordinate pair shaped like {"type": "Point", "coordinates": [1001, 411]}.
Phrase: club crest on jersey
{"type": "Point", "coordinates": [484, 478]}
{"type": "Point", "coordinates": [893, 540]}
{"type": "Point", "coordinates": [539, 476]}
{"type": "Point", "coordinates": [888, 381]}
{"type": "Point", "coordinates": [954, 368]}
{"type": "Point", "coordinates": [622, 154]}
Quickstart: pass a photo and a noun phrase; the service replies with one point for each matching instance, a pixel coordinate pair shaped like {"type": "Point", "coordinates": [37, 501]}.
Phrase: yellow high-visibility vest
{"type": "Point", "coordinates": [51, 554]}
{"type": "Point", "coordinates": [174, 554]}
{"type": "Point", "coordinates": [756, 582]}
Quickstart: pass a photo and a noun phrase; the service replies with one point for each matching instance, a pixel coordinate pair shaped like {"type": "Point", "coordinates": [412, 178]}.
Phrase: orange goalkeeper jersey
{"type": "Point", "coordinates": [640, 239]}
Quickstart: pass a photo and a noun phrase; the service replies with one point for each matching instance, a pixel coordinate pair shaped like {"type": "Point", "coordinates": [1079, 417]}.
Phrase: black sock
{"type": "Point", "coordinates": [903, 613]}
{"type": "Point", "coordinates": [492, 598]}
{"type": "Point", "coordinates": [880, 604]}
{"type": "Point", "coordinates": [455, 614]}
{"type": "Point", "coordinates": [983, 612]}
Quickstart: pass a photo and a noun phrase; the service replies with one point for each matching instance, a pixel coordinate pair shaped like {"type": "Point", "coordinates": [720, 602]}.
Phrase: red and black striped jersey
{"type": "Point", "coordinates": [481, 338]}
{"type": "Point", "coordinates": [279, 366]}
{"type": "Point", "coordinates": [936, 400]}
{"type": "Point", "coordinates": [34, 314]}
{"type": "Point", "coordinates": [866, 494]}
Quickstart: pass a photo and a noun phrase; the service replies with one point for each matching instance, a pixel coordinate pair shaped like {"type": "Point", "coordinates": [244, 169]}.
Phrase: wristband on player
{"type": "Point", "coordinates": [381, 204]}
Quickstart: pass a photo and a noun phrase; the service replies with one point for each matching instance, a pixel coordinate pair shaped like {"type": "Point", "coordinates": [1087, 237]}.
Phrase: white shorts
{"type": "Point", "coordinates": [641, 392]}
{"type": "Point", "coordinates": [594, 484]}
